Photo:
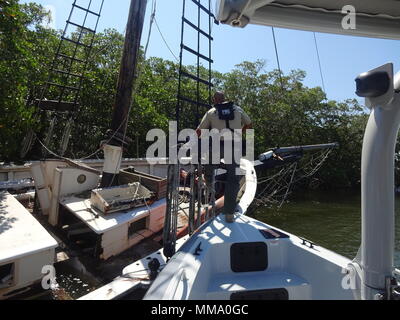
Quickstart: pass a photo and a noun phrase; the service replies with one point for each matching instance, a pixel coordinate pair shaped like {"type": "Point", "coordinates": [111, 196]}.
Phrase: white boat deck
{"type": "Point", "coordinates": [20, 233]}
{"type": "Point", "coordinates": [223, 261]}
{"type": "Point", "coordinates": [100, 223]}
{"type": "Point", "coordinates": [223, 285]}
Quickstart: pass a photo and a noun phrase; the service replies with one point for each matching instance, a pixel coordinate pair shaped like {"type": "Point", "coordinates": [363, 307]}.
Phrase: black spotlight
{"type": "Point", "coordinates": [372, 84]}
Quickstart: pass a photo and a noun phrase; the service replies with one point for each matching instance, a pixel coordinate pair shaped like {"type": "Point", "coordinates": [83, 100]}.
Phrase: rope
{"type": "Point", "coordinates": [66, 136]}
{"type": "Point", "coordinates": [127, 275]}
{"type": "Point", "coordinates": [152, 17]}
{"type": "Point", "coordinates": [319, 62]}
{"type": "Point", "coordinates": [276, 188]}
{"type": "Point", "coordinates": [277, 57]}
{"type": "Point", "coordinates": [165, 41]}
{"type": "Point", "coordinates": [135, 87]}
{"type": "Point", "coordinates": [32, 135]}
{"type": "Point", "coordinates": [287, 190]}
{"type": "Point", "coordinates": [80, 159]}
{"type": "Point", "coordinates": [242, 11]}
{"type": "Point", "coordinates": [27, 143]}
{"type": "Point", "coordinates": [49, 133]}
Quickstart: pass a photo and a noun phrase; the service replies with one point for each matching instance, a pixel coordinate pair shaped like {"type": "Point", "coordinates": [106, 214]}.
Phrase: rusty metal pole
{"type": "Point", "coordinates": [113, 150]}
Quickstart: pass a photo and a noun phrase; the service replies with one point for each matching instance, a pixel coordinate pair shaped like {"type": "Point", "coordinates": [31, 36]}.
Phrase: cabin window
{"type": "Point", "coordinates": [81, 179]}
{"type": "Point", "coordinates": [6, 275]}
{"type": "Point", "coordinates": [137, 226]}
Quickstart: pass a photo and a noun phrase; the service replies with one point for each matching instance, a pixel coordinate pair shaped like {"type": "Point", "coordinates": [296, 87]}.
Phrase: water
{"type": "Point", "coordinates": [331, 220]}
{"type": "Point", "coordinates": [71, 286]}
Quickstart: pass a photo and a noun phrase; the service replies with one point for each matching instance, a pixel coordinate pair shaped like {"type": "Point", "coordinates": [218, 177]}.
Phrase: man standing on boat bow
{"type": "Point", "coordinates": [225, 115]}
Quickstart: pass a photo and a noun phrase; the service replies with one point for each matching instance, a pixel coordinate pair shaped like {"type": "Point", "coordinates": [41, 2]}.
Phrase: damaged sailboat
{"type": "Point", "coordinates": [213, 259]}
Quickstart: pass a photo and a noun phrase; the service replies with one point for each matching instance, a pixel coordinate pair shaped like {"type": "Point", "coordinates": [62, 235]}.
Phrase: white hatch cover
{"type": "Point", "coordinates": [20, 233]}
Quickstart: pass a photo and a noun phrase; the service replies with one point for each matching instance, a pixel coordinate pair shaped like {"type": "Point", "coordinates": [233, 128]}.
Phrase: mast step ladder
{"type": "Point", "coordinates": [195, 101]}
{"type": "Point", "coordinates": [61, 91]}
{"type": "Point", "coordinates": [192, 103]}
{"type": "Point", "coordinates": [58, 98]}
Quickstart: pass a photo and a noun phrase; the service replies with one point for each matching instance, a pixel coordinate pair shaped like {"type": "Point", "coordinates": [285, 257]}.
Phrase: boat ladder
{"type": "Point", "coordinates": [200, 100]}
{"type": "Point", "coordinates": [197, 17]}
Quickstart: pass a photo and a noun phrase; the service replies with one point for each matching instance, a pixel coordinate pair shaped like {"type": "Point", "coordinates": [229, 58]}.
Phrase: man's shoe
{"type": "Point", "coordinates": [229, 218]}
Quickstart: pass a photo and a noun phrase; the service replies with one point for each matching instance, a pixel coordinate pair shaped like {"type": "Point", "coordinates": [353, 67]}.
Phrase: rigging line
{"type": "Point", "coordinates": [152, 17]}
{"type": "Point", "coordinates": [136, 84]}
{"type": "Point", "coordinates": [106, 46]}
{"type": "Point", "coordinates": [139, 73]}
{"type": "Point", "coordinates": [288, 187]}
{"type": "Point", "coordinates": [165, 41]}
{"type": "Point", "coordinates": [44, 145]}
{"type": "Point", "coordinates": [319, 62]}
{"type": "Point", "coordinates": [277, 56]}
{"type": "Point", "coordinates": [126, 118]}
{"type": "Point", "coordinates": [244, 9]}
{"type": "Point", "coordinates": [103, 48]}
{"type": "Point", "coordinates": [125, 121]}
{"type": "Point", "coordinates": [142, 65]}
{"type": "Point", "coordinates": [80, 159]}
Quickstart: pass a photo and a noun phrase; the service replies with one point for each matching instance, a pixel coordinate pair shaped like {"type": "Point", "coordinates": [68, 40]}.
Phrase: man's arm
{"type": "Point", "coordinates": [246, 121]}
{"type": "Point", "coordinates": [204, 124]}
{"type": "Point", "coordinates": [247, 127]}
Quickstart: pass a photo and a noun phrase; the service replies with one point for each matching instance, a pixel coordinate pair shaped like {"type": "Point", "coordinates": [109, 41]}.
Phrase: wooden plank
{"type": "Point", "coordinates": [155, 184]}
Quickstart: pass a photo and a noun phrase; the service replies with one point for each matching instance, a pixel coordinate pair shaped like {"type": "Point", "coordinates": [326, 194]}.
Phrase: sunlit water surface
{"type": "Point", "coordinates": [330, 219]}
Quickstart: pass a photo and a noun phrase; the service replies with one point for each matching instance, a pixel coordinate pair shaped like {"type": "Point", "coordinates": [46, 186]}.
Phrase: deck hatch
{"type": "Point", "coordinates": [273, 234]}
{"type": "Point", "coordinates": [270, 294]}
{"type": "Point", "coordinates": [249, 257]}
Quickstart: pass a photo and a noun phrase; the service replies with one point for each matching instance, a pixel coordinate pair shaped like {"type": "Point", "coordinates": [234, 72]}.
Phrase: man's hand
{"type": "Point", "coordinates": [247, 127]}
{"type": "Point", "coordinates": [278, 157]}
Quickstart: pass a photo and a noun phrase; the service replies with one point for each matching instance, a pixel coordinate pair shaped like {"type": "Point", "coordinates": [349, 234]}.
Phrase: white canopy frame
{"type": "Point", "coordinates": [376, 19]}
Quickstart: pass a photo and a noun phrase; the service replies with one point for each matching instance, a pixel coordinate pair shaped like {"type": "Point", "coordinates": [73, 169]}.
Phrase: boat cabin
{"type": "Point", "coordinates": [25, 248]}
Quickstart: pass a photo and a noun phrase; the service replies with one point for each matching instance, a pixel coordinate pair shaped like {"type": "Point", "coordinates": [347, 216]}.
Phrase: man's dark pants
{"type": "Point", "coordinates": [232, 184]}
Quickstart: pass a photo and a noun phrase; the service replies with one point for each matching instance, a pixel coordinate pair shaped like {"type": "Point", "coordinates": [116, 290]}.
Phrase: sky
{"type": "Point", "coordinates": [343, 58]}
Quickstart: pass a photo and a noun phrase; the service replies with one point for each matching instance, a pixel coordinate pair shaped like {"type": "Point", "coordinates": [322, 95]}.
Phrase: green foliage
{"type": "Point", "coordinates": [24, 50]}
{"type": "Point", "coordinates": [285, 113]}
{"type": "Point", "coordinates": [283, 110]}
